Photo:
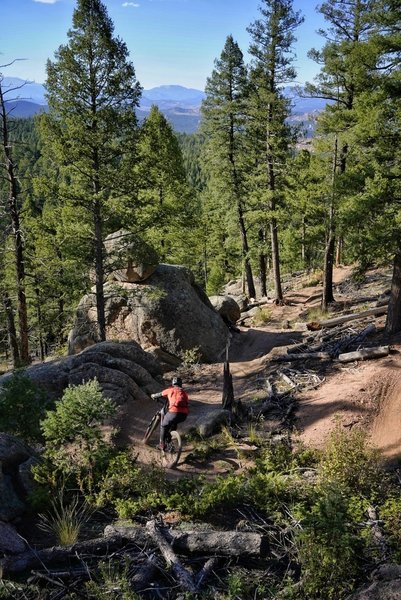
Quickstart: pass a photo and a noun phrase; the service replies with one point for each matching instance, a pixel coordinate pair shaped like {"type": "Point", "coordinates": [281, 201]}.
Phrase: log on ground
{"type": "Point", "coordinates": [223, 543]}
{"type": "Point", "coordinates": [365, 354]}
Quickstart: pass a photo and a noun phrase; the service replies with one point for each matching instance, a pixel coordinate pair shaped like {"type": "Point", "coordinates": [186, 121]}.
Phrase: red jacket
{"type": "Point", "coordinates": [178, 401]}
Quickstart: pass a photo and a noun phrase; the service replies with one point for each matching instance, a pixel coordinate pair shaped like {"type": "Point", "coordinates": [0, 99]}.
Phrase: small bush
{"type": "Point", "coordinates": [22, 406]}
{"type": "Point", "coordinates": [328, 547]}
{"type": "Point", "coordinates": [74, 444]}
{"type": "Point", "coordinates": [65, 519]}
{"type": "Point", "coordinates": [390, 513]}
{"type": "Point", "coordinates": [130, 489]}
{"type": "Point", "coordinates": [112, 582]}
{"type": "Point", "coordinates": [262, 316]}
{"type": "Point", "coordinates": [351, 463]}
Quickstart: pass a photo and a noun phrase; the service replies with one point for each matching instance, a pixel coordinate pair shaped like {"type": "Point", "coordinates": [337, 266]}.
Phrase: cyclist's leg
{"type": "Point", "coordinates": [169, 423]}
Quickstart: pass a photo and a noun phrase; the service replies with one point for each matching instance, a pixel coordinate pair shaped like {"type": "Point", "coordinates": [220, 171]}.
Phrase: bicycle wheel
{"type": "Point", "coordinates": [151, 427]}
{"type": "Point", "coordinates": [172, 452]}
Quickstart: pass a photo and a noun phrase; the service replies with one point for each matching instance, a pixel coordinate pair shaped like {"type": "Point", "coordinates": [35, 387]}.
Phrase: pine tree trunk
{"type": "Point", "coordinates": [262, 264]}
{"type": "Point", "coordinates": [39, 317]}
{"type": "Point", "coordinates": [339, 251]}
{"type": "Point", "coordinates": [393, 322]}
{"type": "Point", "coordinates": [99, 271]}
{"type": "Point", "coordinates": [11, 332]}
{"type": "Point", "coordinates": [328, 297]}
{"type": "Point", "coordinates": [303, 241]}
{"type": "Point", "coordinates": [278, 296]}
{"type": "Point", "coordinates": [14, 214]}
{"type": "Point", "coordinates": [245, 251]}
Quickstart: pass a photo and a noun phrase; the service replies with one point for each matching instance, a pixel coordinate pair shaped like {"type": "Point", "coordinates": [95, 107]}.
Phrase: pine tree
{"type": "Point", "coordinates": [271, 49]}
{"type": "Point", "coordinates": [164, 195]}
{"type": "Point", "coordinates": [91, 125]}
{"type": "Point", "coordinates": [223, 122]}
{"type": "Point", "coordinates": [342, 77]}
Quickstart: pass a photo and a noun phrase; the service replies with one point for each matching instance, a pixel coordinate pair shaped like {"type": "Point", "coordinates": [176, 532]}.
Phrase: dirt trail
{"type": "Point", "coordinates": [366, 393]}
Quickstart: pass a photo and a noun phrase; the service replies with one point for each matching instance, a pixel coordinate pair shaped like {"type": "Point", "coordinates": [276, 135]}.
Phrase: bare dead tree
{"type": "Point", "coordinates": [13, 211]}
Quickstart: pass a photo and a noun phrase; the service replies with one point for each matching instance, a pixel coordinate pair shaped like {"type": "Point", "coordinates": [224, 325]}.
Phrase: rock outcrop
{"type": "Point", "coordinates": [13, 453]}
{"type": "Point", "coordinates": [128, 258]}
{"type": "Point", "coordinates": [168, 311]}
{"type": "Point", "coordinates": [125, 372]}
{"type": "Point", "coordinates": [227, 308]}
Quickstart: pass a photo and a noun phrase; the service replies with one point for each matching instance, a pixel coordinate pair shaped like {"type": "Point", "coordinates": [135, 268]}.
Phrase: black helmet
{"type": "Point", "coordinates": [177, 381]}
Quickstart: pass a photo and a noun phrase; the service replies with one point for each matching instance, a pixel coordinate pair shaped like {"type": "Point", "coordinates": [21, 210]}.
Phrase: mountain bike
{"type": "Point", "coordinates": [172, 452]}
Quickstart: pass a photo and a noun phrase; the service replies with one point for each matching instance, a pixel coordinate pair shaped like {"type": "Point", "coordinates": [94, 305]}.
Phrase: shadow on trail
{"type": "Point", "coordinates": [255, 343]}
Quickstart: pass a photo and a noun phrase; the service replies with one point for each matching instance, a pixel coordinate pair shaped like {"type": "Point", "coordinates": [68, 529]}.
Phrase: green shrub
{"type": "Point", "coordinates": [351, 463]}
{"type": "Point", "coordinates": [22, 405]}
{"type": "Point", "coordinates": [390, 513]}
{"type": "Point", "coordinates": [328, 547]}
{"type": "Point", "coordinates": [130, 489]}
{"type": "Point", "coordinates": [74, 443]}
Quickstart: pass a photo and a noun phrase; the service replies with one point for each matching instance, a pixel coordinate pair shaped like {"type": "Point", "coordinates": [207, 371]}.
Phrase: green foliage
{"type": "Point", "coordinates": [191, 356]}
{"type": "Point", "coordinates": [65, 519]}
{"type": "Point", "coordinates": [390, 514]}
{"type": "Point", "coordinates": [328, 547]}
{"type": "Point", "coordinates": [128, 488]}
{"type": "Point", "coordinates": [74, 443]}
{"type": "Point", "coordinates": [349, 462]}
{"type": "Point", "coordinates": [110, 583]}
{"type": "Point", "coordinates": [22, 406]}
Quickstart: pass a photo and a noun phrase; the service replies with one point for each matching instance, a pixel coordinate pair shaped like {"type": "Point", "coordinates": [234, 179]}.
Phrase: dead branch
{"type": "Point", "coordinates": [301, 356]}
{"type": "Point", "coordinates": [205, 572]}
{"type": "Point", "coordinates": [380, 310]}
{"type": "Point", "coordinates": [183, 576]}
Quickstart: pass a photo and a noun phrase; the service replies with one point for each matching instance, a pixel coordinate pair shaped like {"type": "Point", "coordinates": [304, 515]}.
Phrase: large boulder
{"type": "Point", "coordinates": [128, 257]}
{"type": "Point", "coordinates": [10, 541]}
{"type": "Point", "coordinates": [227, 307]}
{"type": "Point", "coordinates": [13, 453]}
{"type": "Point", "coordinates": [124, 371]}
{"type": "Point", "coordinates": [386, 584]}
{"type": "Point", "coordinates": [168, 311]}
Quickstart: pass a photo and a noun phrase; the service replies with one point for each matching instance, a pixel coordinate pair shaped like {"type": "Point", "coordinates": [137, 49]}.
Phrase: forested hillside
{"type": "Point", "coordinates": [240, 201]}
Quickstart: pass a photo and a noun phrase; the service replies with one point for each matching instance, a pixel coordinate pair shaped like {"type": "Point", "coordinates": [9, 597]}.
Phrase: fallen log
{"type": "Point", "coordinates": [32, 559]}
{"type": "Point", "coordinates": [313, 297]}
{"type": "Point", "coordinates": [301, 356]}
{"type": "Point", "coordinates": [182, 574]}
{"type": "Point", "coordinates": [380, 310]}
{"type": "Point", "coordinates": [364, 354]}
{"type": "Point", "coordinates": [223, 543]}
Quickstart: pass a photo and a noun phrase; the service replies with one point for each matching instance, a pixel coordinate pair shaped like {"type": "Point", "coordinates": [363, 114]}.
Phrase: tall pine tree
{"type": "Point", "coordinates": [91, 125]}
{"type": "Point", "coordinates": [271, 48]}
{"type": "Point", "coordinates": [223, 113]}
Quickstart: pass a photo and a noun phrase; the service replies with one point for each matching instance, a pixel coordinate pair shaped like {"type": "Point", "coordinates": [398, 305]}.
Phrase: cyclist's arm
{"type": "Point", "coordinates": [156, 396]}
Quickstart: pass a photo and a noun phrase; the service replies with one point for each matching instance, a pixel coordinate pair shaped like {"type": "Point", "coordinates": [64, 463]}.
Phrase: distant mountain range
{"type": "Point", "coordinates": [180, 105]}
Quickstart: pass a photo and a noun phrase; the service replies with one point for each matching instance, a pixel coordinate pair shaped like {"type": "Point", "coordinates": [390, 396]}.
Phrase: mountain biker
{"type": "Point", "coordinates": [177, 408]}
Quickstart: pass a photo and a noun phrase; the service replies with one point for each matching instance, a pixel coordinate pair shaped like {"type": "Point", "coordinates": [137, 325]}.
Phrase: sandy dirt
{"type": "Point", "coordinates": [362, 393]}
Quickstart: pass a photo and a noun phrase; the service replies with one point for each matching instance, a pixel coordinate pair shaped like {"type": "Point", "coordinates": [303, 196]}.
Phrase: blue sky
{"type": "Point", "coordinates": [170, 41]}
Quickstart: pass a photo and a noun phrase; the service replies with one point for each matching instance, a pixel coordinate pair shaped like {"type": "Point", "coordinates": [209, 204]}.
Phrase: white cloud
{"type": "Point", "coordinates": [46, 1]}
{"type": "Point", "coordinates": [130, 4]}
